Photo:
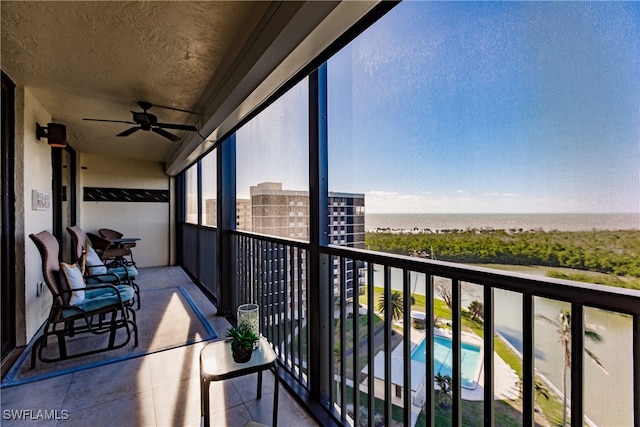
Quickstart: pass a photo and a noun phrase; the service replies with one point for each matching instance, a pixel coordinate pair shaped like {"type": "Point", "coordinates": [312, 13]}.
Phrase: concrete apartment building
{"type": "Point", "coordinates": [285, 213]}
{"type": "Point", "coordinates": [243, 213]}
{"type": "Point", "coordinates": [274, 211]}
{"type": "Point", "coordinates": [278, 212]}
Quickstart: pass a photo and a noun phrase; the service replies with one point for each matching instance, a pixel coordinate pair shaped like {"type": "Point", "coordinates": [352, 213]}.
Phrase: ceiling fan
{"type": "Point", "coordinates": [149, 122]}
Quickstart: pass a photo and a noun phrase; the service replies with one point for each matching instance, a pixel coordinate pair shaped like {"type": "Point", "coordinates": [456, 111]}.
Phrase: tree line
{"type": "Point", "coordinates": [604, 251]}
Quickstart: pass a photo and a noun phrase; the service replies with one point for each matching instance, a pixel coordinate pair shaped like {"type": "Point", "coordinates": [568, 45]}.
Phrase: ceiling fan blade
{"type": "Point", "coordinates": [177, 126]}
{"type": "Point", "coordinates": [166, 134]}
{"type": "Point", "coordinates": [110, 121]}
{"type": "Point", "coordinates": [129, 131]}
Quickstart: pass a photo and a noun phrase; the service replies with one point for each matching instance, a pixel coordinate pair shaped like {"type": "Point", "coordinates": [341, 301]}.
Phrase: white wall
{"type": "Point", "coordinates": [33, 172]}
{"type": "Point", "coordinates": [149, 221]}
{"type": "Point", "coordinates": [152, 222]}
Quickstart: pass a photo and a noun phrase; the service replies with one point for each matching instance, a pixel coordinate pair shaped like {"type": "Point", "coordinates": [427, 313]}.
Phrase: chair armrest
{"type": "Point", "coordinates": [97, 276]}
{"type": "Point", "coordinates": [101, 286]}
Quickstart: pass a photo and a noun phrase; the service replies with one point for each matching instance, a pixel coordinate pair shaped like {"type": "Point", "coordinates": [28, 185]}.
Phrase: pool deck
{"type": "Point", "coordinates": [506, 380]}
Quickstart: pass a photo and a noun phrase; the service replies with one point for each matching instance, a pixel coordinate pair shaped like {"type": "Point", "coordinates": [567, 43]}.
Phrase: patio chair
{"type": "Point", "coordinates": [95, 270]}
{"type": "Point", "coordinates": [69, 306]}
{"type": "Point", "coordinates": [112, 235]}
{"type": "Point", "coordinates": [111, 254]}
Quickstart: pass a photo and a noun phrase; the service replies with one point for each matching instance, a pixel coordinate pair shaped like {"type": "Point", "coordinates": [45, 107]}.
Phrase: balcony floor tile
{"type": "Point", "coordinates": [159, 389]}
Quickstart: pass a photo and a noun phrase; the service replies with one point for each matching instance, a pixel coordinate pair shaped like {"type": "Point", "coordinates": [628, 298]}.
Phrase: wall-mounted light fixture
{"type": "Point", "coordinates": [54, 132]}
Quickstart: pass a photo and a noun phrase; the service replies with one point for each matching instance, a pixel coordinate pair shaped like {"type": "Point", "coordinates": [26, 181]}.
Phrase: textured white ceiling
{"type": "Point", "coordinates": [96, 59]}
{"type": "Point", "coordinates": [220, 59]}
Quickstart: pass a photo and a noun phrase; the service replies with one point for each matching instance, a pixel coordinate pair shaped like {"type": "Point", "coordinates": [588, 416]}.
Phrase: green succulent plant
{"type": "Point", "coordinates": [242, 337]}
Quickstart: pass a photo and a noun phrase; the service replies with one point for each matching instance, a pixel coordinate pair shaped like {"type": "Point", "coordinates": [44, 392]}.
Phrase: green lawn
{"type": "Point", "coordinates": [507, 412]}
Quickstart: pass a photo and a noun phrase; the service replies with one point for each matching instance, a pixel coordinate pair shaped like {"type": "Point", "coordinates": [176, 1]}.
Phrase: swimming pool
{"type": "Point", "coordinates": [442, 359]}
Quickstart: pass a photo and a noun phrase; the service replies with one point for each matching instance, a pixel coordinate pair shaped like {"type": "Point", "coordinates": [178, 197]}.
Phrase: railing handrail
{"type": "Point", "coordinates": [280, 266]}
{"type": "Point", "coordinates": [622, 300]}
{"type": "Point", "coordinates": [279, 240]}
{"type": "Point", "coordinates": [611, 298]}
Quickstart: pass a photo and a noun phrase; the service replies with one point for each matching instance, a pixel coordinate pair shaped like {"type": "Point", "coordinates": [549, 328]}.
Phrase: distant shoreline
{"type": "Point", "coordinates": [407, 223]}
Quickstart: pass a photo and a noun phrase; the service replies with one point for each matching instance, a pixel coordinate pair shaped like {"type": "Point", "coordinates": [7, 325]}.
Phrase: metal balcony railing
{"type": "Point", "coordinates": [381, 269]}
{"type": "Point", "coordinates": [369, 356]}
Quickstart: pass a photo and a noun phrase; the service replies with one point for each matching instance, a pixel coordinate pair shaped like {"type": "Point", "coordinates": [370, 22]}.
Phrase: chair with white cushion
{"type": "Point", "coordinates": [113, 235]}
{"type": "Point", "coordinates": [93, 266]}
{"type": "Point", "coordinates": [74, 303]}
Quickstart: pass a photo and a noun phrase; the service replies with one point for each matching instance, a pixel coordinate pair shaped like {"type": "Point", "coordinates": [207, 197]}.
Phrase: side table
{"type": "Point", "coordinates": [216, 364]}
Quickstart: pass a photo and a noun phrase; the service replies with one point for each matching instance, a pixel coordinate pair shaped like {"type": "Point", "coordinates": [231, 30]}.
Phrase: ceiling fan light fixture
{"type": "Point", "coordinates": [55, 133]}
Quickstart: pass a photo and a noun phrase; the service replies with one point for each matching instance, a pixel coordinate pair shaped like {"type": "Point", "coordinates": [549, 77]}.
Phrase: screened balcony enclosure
{"type": "Point", "coordinates": [348, 155]}
{"type": "Point", "coordinates": [367, 336]}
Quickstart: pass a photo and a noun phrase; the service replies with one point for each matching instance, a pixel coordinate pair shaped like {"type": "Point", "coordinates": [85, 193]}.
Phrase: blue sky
{"type": "Point", "coordinates": [490, 107]}
{"type": "Point", "coordinates": [472, 107]}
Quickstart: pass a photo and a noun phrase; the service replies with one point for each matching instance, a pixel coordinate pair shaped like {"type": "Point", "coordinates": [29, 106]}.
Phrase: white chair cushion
{"type": "Point", "coordinates": [73, 276]}
{"type": "Point", "coordinates": [94, 263]}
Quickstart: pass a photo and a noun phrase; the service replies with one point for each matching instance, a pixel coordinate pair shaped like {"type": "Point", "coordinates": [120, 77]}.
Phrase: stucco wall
{"type": "Point", "coordinates": [152, 222]}
{"type": "Point", "coordinates": [149, 221]}
{"type": "Point", "coordinates": [33, 172]}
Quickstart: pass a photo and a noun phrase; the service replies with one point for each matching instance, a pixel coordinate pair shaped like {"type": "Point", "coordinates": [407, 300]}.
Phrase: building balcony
{"type": "Point", "coordinates": [157, 389]}
{"type": "Point", "coordinates": [162, 388]}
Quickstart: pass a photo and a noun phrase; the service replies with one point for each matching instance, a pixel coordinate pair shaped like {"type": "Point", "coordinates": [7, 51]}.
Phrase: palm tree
{"type": "Point", "coordinates": [444, 394]}
{"type": "Point", "coordinates": [397, 305]}
{"type": "Point", "coordinates": [476, 309]}
{"type": "Point", "coordinates": [563, 328]}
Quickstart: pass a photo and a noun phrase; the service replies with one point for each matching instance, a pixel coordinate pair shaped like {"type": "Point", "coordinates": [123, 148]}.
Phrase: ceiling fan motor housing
{"type": "Point", "coordinates": [144, 118]}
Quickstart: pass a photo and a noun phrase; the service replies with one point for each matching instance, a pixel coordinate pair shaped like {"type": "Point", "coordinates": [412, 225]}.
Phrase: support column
{"type": "Point", "coordinates": [318, 296]}
{"type": "Point", "coordinates": [226, 216]}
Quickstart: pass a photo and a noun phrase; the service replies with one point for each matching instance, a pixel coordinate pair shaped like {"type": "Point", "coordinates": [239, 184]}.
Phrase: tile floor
{"type": "Point", "coordinates": [160, 389]}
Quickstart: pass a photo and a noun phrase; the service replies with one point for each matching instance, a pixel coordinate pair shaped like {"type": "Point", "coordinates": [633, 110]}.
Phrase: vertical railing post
{"type": "Point", "coordinates": [528, 358]}
{"type": "Point", "coordinates": [320, 324]}
{"type": "Point", "coordinates": [456, 310]}
{"type": "Point", "coordinates": [270, 291]}
{"type": "Point", "coordinates": [406, 322]}
{"type": "Point", "coordinates": [636, 370]}
{"type": "Point", "coordinates": [388, 327]}
{"type": "Point", "coordinates": [226, 215]}
{"type": "Point", "coordinates": [488, 319]}
{"type": "Point", "coordinates": [428, 336]}
{"type": "Point", "coordinates": [300, 302]}
{"type": "Point", "coordinates": [577, 363]}
{"type": "Point", "coordinates": [356, 344]}
{"type": "Point", "coordinates": [371, 402]}
{"type": "Point", "coordinates": [290, 289]}
{"type": "Point", "coordinates": [343, 340]}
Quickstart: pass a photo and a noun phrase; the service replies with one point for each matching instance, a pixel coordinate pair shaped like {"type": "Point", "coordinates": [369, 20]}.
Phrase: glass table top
{"type": "Point", "coordinates": [216, 361]}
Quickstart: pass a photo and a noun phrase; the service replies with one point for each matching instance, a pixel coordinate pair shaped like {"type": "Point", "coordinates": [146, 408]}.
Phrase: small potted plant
{"type": "Point", "coordinates": [242, 340]}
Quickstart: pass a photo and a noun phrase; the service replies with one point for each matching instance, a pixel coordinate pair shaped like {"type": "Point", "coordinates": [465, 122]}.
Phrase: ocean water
{"type": "Point", "coordinates": [546, 222]}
